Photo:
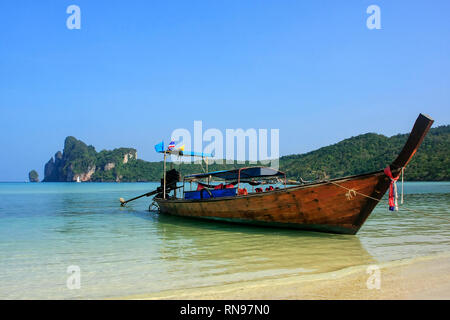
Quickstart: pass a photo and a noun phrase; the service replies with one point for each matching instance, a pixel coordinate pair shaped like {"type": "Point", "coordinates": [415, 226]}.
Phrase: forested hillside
{"type": "Point", "coordinates": [363, 153]}
{"type": "Point", "coordinates": [371, 152]}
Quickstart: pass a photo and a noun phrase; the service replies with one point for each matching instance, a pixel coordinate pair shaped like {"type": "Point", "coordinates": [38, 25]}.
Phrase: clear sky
{"type": "Point", "coordinates": [137, 70]}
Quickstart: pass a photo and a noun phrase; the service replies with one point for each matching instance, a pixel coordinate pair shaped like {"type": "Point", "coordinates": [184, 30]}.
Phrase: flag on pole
{"type": "Point", "coordinates": [171, 145]}
{"type": "Point", "coordinates": [159, 147]}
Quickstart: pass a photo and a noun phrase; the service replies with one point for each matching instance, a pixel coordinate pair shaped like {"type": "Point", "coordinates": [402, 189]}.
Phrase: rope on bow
{"type": "Point", "coordinates": [351, 191]}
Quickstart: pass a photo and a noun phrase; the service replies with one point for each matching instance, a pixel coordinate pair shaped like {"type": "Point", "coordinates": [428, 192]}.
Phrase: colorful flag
{"type": "Point", "coordinates": [159, 147]}
{"type": "Point", "coordinates": [171, 145]}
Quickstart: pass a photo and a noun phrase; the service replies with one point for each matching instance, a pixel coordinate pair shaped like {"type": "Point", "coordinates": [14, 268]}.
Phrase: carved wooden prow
{"type": "Point", "coordinates": [418, 133]}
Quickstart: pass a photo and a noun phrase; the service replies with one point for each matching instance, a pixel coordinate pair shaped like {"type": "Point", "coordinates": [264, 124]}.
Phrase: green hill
{"type": "Point", "coordinates": [371, 152]}
{"type": "Point", "coordinates": [363, 153]}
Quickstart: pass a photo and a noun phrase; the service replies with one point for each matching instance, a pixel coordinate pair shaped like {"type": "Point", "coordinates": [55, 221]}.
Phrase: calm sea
{"type": "Point", "coordinates": [47, 227]}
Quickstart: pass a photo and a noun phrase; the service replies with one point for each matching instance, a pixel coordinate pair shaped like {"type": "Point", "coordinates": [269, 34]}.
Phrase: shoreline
{"type": "Point", "coordinates": [418, 278]}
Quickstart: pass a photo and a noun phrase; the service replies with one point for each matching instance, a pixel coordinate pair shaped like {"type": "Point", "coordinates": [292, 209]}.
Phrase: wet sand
{"type": "Point", "coordinates": [421, 278]}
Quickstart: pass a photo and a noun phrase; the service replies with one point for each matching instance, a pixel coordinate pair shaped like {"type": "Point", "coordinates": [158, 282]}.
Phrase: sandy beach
{"type": "Point", "coordinates": [421, 278]}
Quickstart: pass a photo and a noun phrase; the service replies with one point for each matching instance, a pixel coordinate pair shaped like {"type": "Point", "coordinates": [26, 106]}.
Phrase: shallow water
{"type": "Point", "coordinates": [47, 227]}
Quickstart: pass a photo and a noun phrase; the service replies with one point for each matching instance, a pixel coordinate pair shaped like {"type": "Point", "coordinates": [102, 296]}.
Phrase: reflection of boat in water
{"type": "Point", "coordinates": [252, 253]}
{"type": "Point", "coordinates": [338, 206]}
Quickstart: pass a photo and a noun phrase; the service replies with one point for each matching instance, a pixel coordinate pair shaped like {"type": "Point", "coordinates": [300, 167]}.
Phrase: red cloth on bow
{"type": "Point", "coordinates": [392, 192]}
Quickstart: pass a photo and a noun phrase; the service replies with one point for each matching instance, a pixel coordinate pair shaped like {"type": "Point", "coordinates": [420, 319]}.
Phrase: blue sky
{"type": "Point", "coordinates": [137, 70]}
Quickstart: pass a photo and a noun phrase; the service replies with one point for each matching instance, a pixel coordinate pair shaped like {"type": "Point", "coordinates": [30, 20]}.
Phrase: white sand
{"type": "Point", "coordinates": [421, 278]}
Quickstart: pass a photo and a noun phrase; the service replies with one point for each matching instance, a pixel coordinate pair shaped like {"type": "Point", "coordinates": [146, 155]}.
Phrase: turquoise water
{"type": "Point", "coordinates": [47, 227]}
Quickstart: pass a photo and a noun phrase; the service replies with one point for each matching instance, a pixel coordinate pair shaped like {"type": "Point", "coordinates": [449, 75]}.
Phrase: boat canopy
{"type": "Point", "coordinates": [235, 174]}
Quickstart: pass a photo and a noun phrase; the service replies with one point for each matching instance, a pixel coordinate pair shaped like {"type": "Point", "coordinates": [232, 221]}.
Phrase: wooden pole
{"type": "Point", "coordinates": [164, 178]}
{"type": "Point", "coordinates": [183, 187]}
{"type": "Point", "coordinates": [209, 177]}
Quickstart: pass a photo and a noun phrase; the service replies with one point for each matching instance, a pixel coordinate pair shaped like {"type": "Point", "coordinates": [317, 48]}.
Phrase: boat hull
{"type": "Point", "coordinates": [327, 206]}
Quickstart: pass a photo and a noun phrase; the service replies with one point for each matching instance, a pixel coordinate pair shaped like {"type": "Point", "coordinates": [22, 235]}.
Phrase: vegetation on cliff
{"type": "Point", "coordinates": [79, 161]}
{"type": "Point", "coordinates": [78, 156]}
{"type": "Point", "coordinates": [363, 153]}
{"type": "Point", "coordinates": [33, 176]}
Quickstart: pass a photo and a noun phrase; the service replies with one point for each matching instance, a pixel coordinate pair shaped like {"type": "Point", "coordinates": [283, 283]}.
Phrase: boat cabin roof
{"type": "Point", "coordinates": [235, 174]}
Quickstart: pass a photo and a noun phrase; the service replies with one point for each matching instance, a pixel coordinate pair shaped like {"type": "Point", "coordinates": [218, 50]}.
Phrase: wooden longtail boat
{"type": "Point", "coordinates": [336, 206]}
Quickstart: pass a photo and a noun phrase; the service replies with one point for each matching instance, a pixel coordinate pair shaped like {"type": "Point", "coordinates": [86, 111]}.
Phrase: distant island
{"type": "Point", "coordinates": [33, 176]}
{"type": "Point", "coordinates": [363, 153]}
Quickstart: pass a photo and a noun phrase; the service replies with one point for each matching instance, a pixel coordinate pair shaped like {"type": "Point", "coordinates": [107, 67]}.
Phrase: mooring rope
{"type": "Point", "coordinates": [354, 192]}
{"type": "Point", "coordinates": [403, 173]}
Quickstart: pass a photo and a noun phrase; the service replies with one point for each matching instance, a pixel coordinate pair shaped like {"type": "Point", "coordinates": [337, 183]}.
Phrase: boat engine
{"type": "Point", "coordinates": [172, 177]}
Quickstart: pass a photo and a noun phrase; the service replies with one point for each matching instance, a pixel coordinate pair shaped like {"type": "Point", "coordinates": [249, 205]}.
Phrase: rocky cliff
{"type": "Point", "coordinates": [33, 176]}
{"type": "Point", "coordinates": [80, 162]}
